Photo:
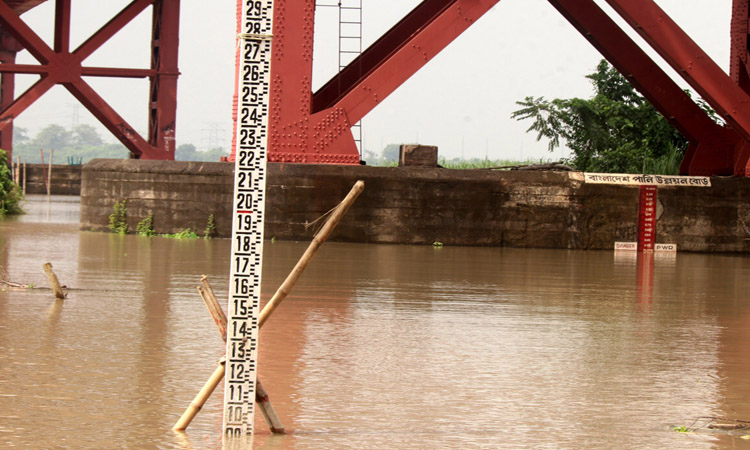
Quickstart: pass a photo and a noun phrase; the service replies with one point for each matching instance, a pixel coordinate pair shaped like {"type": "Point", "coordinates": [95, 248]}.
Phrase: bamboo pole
{"type": "Point", "coordinates": [317, 241]}
{"type": "Point", "coordinates": [24, 177]}
{"type": "Point", "coordinates": [265, 406]}
{"type": "Point", "coordinates": [278, 297]}
{"type": "Point", "coordinates": [214, 308]}
{"type": "Point", "coordinates": [18, 170]}
{"type": "Point", "coordinates": [261, 395]}
{"type": "Point", "coordinates": [201, 398]}
{"type": "Point", "coordinates": [53, 281]}
{"type": "Point", "coordinates": [44, 170]}
{"type": "Point", "coordinates": [49, 172]}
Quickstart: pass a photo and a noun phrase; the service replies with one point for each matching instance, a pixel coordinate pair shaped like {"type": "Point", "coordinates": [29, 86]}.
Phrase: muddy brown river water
{"type": "Point", "coordinates": [377, 347]}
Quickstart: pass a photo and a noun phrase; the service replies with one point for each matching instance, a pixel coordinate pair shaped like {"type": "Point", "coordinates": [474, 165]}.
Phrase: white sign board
{"type": "Point", "coordinates": [646, 180]}
{"type": "Point", "coordinates": [633, 246]}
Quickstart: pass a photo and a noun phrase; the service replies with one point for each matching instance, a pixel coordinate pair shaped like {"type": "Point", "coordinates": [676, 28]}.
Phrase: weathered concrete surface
{"type": "Point", "coordinates": [415, 205]}
{"type": "Point", "coordinates": [66, 179]}
{"type": "Point", "coordinates": [417, 155]}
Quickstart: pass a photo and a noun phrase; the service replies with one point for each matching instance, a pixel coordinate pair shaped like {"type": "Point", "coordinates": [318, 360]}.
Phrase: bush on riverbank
{"type": "Point", "coordinates": [10, 192]}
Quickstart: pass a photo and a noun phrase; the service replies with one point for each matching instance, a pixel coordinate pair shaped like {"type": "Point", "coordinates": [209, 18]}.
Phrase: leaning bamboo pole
{"type": "Point", "coordinates": [261, 396]}
{"type": "Point", "coordinates": [278, 297]}
{"type": "Point", "coordinates": [317, 241]}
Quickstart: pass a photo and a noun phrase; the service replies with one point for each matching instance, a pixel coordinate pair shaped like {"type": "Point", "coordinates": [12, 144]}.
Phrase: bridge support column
{"type": "Point", "coordinates": [58, 65]}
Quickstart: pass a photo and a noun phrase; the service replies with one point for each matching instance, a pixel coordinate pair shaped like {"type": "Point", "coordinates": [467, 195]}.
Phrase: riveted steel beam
{"type": "Point", "coordinates": [405, 49]}
{"type": "Point", "coordinates": [705, 136]}
{"type": "Point", "coordinates": [163, 84]}
{"type": "Point", "coordinates": [689, 60]}
{"type": "Point", "coordinates": [59, 65]}
{"type": "Point", "coordinates": [316, 128]}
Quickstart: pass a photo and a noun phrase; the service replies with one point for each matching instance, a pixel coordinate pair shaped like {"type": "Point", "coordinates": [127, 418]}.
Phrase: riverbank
{"type": "Point", "coordinates": [412, 205]}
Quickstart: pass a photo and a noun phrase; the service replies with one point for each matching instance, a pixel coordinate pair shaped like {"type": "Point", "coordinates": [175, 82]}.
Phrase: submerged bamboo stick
{"type": "Point", "coordinates": [265, 406]}
{"type": "Point", "coordinates": [214, 308]}
{"type": "Point", "coordinates": [53, 281]}
{"type": "Point", "coordinates": [261, 395]}
{"type": "Point", "coordinates": [201, 398]}
{"type": "Point", "coordinates": [277, 298]}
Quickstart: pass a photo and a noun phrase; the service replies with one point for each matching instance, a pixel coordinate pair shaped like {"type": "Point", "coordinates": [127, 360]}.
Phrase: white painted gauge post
{"type": "Point", "coordinates": [247, 222]}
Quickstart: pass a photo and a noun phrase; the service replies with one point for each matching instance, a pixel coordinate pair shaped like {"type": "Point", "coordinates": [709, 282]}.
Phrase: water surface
{"type": "Point", "coordinates": [377, 347]}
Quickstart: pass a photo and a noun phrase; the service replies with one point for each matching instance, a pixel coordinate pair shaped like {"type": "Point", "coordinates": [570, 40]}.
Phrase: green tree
{"type": "Point", "coordinates": [185, 152]}
{"type": "Point", "coordinates": [10, 193]}
{"type": "Point", "coordinates": [20, 135]}
{"type": "Point", "coordinates": [85, 135]}
{"type": "Point", "coordinates": [391, 152]}
{"type": "Point", "coordinates": [617, 130]}
{"type": "Point", "coordinates": [52, 137]}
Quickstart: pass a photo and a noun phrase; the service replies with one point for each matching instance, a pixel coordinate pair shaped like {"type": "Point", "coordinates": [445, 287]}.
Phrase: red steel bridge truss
{"type": "Point", "coordinates": [315, 127]}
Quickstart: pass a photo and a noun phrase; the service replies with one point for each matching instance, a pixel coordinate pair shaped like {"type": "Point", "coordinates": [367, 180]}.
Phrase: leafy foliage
{"type": "Point", "coordinates": [10, 192]}
{"type": "Point", "coordinates": [79, 145]}
{"type": "Point", "coordinates": [187, 233]}
{"type": "Point", "coordinates": [146, 227]}
{"type": "Point", "coordinates": [617, 130]}
{"type": "Point", "coordinates": [117, 220]}
{"type": "Point", "coordinates": [210, 230]}
{"type": "Point", "coordinates": [188, 152]}
{"type": "Point", "coordinates": [83, 143]}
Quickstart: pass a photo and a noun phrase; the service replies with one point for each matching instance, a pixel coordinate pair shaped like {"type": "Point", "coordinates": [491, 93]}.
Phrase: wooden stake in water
{"type": "Point", "coordinates": [247, 221]}
{"type": "Point", "coordinates": [261, 396]}
{"type": "Point", "coordinates": [49, 173]}
{"type": "Point", "coordinates": [333, 219]}
{"type": "Point", "coordinates": [44, 171]}
{"type": "Point", "coordinates": [54, 283]}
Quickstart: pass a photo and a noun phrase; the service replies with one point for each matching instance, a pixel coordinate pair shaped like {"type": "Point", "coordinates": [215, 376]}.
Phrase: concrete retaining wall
{"type": "Point", "coordinates": [421, 205]}
{"type": "Point", "coordinates": [66, 179]}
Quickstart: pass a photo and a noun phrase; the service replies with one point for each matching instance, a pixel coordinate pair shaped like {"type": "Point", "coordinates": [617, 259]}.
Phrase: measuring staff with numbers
{"type": "Point", "coordinates": [247, 220]}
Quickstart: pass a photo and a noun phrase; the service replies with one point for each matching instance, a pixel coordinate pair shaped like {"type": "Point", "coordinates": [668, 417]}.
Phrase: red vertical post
{"type": "Point", "coordinates": [163, 92]}
{"type": "Point", "coordinates": [647, 218]}
{"type": "Point", "coordinates": [62, 26]}
{"type": "Point", "coordinates": [8, 49]}
{"type": "Point", "coordinates": [739, 66]}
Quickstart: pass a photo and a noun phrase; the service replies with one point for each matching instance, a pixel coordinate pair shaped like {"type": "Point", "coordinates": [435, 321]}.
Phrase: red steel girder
{"type": "Point", "coordinates": [59, 66]}
{"type": "Point", "coordinates": [689, 60]}
{"type": "Point", "coordinates": [739, 67]}
{"type": "Point", "coordinates": [400, 53]}
{"type": "Point", "coordinates": [647, 77]}
{"type": "Point", "coordinates": [316, 128]}
{"type": "Point", "coordinates": [305, 128]}
{"type": "Point", "coordinates": [8, 49]}
{"type": "Point", "coordinates": [163, 85]}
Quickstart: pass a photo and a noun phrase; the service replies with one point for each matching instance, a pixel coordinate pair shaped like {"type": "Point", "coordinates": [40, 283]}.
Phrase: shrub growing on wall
{"type": "Point", "coordinates": [10, 192]}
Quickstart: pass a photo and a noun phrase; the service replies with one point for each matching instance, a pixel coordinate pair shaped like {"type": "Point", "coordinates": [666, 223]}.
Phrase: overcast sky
{"type": "Point", "coordinates": [461, 101]}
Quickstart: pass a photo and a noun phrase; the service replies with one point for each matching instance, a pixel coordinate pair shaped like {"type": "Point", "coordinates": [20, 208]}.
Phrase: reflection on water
{"type": "Point", "coordinates": [377, 347]}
